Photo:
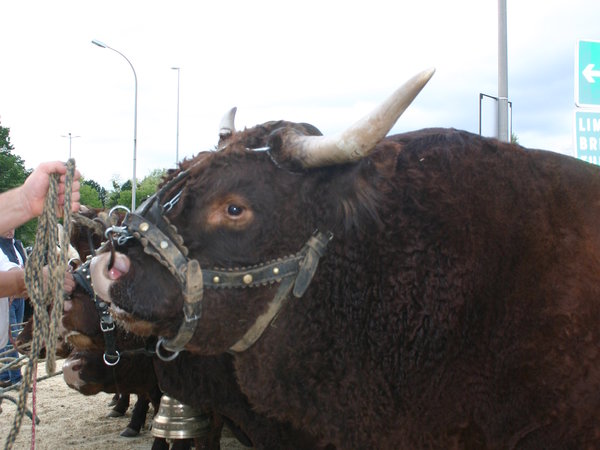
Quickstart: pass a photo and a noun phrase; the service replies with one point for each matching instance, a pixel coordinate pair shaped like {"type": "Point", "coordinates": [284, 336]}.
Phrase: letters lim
{"type": "Point", "coordinates": [588, 136]}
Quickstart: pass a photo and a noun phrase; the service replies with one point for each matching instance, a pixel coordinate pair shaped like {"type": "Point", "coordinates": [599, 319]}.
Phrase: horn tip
{"type": "Point", "coordinates": [426, 74]}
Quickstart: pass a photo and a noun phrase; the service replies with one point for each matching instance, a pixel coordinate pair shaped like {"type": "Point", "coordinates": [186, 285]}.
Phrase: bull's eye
{"type": "Point", "coordinates": [231, 211]}
{"type": "Point", "coordinates": [235, 210]}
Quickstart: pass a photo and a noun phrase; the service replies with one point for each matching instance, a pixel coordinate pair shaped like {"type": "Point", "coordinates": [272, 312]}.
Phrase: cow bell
{"type": "Point", "coordinates": [175, 420]}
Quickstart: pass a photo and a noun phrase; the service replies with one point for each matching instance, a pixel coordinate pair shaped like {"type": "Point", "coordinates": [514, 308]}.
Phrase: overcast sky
{"type": "Point", "coordinates": [323, 62]}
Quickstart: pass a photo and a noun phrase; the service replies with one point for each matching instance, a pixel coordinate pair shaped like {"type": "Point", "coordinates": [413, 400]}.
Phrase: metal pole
{"type": "Point", "coordinates": [70, 139]}
{"type": "Point", "coordinates": [502, 73]}
{"type": "Point", "coordinates": [177, 141]}
{"type": "Point", "coordinates": [133, 180]}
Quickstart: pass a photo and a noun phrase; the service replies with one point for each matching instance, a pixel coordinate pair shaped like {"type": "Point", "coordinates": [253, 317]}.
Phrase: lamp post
{"type": "Point", "coordinates": [177, 140]}
{"type": "Point", "coordinates": [70, 139]}
{"type": "Point", "coordinates": [502, 74]}
{"type": "Point", "coordinates": [133, 182]}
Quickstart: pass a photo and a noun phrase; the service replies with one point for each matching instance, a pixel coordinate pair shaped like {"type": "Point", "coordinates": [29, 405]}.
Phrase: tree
{"type": "Point", "coordinates": [100, 192]}
{"type": "Point", "coordinates": [12, 167]}
{"type": "Point", "coordinates": [121, 195]}
{"type": "Point", "coordinates": [89, 196]}
{"type": "Point", "coordinates": [149, 185]}
{"type": "Point", "coordinates": [13, 174]}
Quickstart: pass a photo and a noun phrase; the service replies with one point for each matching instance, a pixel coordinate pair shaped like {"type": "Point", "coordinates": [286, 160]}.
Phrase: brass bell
{"type": "Point", "coordinates": [175, 420]}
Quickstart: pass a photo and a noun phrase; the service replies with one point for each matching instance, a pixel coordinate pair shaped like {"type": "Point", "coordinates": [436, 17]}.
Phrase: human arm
{"type": "Point", "coordinates": [12, 283]}
{"type": "Point", "coordinates": [25, 202]}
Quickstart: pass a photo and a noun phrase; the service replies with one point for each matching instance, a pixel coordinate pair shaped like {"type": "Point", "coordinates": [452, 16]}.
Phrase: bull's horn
{"type": "Point", "coordinates": [227, 125]}
{"type": "Point", "coordinates": [358, 140]}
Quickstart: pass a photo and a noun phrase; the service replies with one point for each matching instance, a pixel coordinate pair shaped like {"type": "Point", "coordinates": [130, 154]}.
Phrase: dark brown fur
{"type": "Point", "coordinates": [457, 305]}
{"type": "Point", "coordinates": [206, 383]}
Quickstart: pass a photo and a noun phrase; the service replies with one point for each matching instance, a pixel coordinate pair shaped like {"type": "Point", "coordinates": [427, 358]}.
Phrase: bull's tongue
{"type": "Point", "coordinates": [119, 267]}
{"type": "Point", "coordinates": [103, 276]}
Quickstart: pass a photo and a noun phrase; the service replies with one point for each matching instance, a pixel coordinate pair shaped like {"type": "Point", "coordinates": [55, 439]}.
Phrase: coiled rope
{"type": "Point", "coordinates": [42, 295]}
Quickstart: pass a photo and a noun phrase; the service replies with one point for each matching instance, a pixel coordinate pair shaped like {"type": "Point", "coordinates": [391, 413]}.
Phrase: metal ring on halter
{"type": "Point", "coordinates": [74, 261]}
{"type": "Point", "coordinates": [109, 363]}
{"type": "Point", "coordinates": [115, 208]}
{"type": "Point", "coordinates": [123, 234]}
{"type": "Point", "coordinates": [160, 355]}
{"type": "Point", "coordinates": [115, 229]}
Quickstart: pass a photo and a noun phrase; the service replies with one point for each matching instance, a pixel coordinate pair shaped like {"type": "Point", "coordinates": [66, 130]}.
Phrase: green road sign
{"type": "Point", "coordinates": [587, 136]}
{"type": "Point", "coordinates": [587, 76]}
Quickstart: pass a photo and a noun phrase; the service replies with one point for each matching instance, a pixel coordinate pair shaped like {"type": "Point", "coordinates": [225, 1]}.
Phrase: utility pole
{"type": "Point", "coordinates": [177, 139]}
{"type": "Point", "coordinates": [71, 137]}
{"type": "Point", "coordinates": [502, 74]}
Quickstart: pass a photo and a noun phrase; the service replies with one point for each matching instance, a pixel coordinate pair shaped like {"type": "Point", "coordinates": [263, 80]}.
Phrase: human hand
{"type": "Point", "coordinates": [35, 188]}
{"type": "Point", "coordinates": [69, 283]}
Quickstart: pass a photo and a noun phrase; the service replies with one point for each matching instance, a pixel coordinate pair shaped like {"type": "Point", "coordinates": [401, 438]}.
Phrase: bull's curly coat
{"type": "Point", "coordinates": [206, 383]}
{"type": "Point", "coordinates": [457, 305]}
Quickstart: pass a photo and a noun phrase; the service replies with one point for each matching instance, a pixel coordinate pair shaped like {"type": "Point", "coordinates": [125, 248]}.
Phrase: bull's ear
{"type": "Point", "coordinates": [280, 138]}
{"type": "Point", "coordinates": [277, 141]}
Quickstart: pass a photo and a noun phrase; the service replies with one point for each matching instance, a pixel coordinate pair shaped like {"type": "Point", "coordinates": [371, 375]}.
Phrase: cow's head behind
{"type": "Point", "coordinates": [242, 222]}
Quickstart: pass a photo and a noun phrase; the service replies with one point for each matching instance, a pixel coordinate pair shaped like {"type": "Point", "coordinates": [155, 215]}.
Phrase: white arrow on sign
{"type": "Point", "coordinates": [589, 73]}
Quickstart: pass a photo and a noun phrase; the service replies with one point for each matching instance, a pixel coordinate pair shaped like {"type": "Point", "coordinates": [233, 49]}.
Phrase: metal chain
{"type": "Point", "coordinates": [42, 295]}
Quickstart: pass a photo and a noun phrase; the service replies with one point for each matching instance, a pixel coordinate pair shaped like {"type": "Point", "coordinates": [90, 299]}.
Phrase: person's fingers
{"type": "Point", "coordinates": [69, 284]}
{"type": "Point", "coordinates": [53, 167]}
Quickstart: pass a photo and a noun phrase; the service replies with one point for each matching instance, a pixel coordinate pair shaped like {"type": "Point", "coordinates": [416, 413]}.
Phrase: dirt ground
{"type": "Point", "coordinates": [70, 420]}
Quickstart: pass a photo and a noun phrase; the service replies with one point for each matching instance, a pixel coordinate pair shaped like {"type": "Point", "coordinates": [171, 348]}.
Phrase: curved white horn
{"type": "Point", "coordinates": [227, 125]}
{"type": "Point", "coordinates": [358, 140]}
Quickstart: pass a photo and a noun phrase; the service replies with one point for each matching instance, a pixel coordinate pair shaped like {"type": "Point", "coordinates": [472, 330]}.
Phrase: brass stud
{"type": "Point", "coordinates": [144, 227]}
{"type": "Point", "coordinates": [276, 270]}
{"type": "Point", "coordinates": [247, 279]}
{"type": "Point", "coordinates": [164, 244]}
{"type": "Point", "coordinates": [216, 279]}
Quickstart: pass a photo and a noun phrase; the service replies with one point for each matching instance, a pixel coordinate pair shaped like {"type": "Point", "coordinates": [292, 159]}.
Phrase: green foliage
{"type": "Point", "coordinates": [89, 196]}
{"type": "Point", "coordinates": [149, 185]}
{"type": "Point", "coordinates": [121, 195]}
{"type": "Point", "coordinates": [12, 175]}
{"type": "Point", "coordinates": [12, 167]}
{"type": "Point", "coordinates": [124, 198]}
{"type": "Point", "coordinates": [5, 138]}
{"type": "Point", "coordinates": [100, 192]}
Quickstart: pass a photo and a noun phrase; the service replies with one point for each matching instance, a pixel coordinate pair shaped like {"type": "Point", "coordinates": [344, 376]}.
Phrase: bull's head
{"type": "Point", "coordinates": [234, 231]}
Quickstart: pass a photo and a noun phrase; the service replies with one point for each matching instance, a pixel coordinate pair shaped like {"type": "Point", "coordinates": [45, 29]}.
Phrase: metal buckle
{"type": "Point", "coordinates": [107, 326]}
{"type": "Point", "coordinates": [108, 363]}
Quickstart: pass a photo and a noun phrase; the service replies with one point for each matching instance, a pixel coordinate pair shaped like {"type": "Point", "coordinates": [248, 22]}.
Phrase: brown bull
{"type": "Point", "coordinates": [456, 305]}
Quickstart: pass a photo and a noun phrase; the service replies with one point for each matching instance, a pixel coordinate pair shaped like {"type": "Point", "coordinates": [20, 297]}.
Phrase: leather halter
{"type": "Point", "coordinates": [111, 355]}
{"type": "Point", "coordinates": [82, 277]}
{"type": "Point", "coordinates": [160, 239]}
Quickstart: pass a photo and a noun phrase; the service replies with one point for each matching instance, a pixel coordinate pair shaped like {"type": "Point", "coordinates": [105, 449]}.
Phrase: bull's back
{"type": "Point", "coordinates": [510, 244]}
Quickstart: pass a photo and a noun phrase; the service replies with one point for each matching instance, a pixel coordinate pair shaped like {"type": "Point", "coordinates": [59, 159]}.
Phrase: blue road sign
{"type": "Point", "coordinates": [587, 136]}
{"type": "Point", "coordinates": [587, 75]}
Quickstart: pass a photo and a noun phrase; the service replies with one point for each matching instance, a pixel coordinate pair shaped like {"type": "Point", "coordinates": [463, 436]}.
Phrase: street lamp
{"type": "Point", "coordinates": [133, 182]}
{"type": "Point", "coordinates": [177, 141]}
{"type": "Point", "coordinates": [70, 139]}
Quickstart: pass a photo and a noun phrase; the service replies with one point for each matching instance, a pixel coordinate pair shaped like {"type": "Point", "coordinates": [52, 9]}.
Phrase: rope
{"type": "Point", "coordinates": [45, 326]}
